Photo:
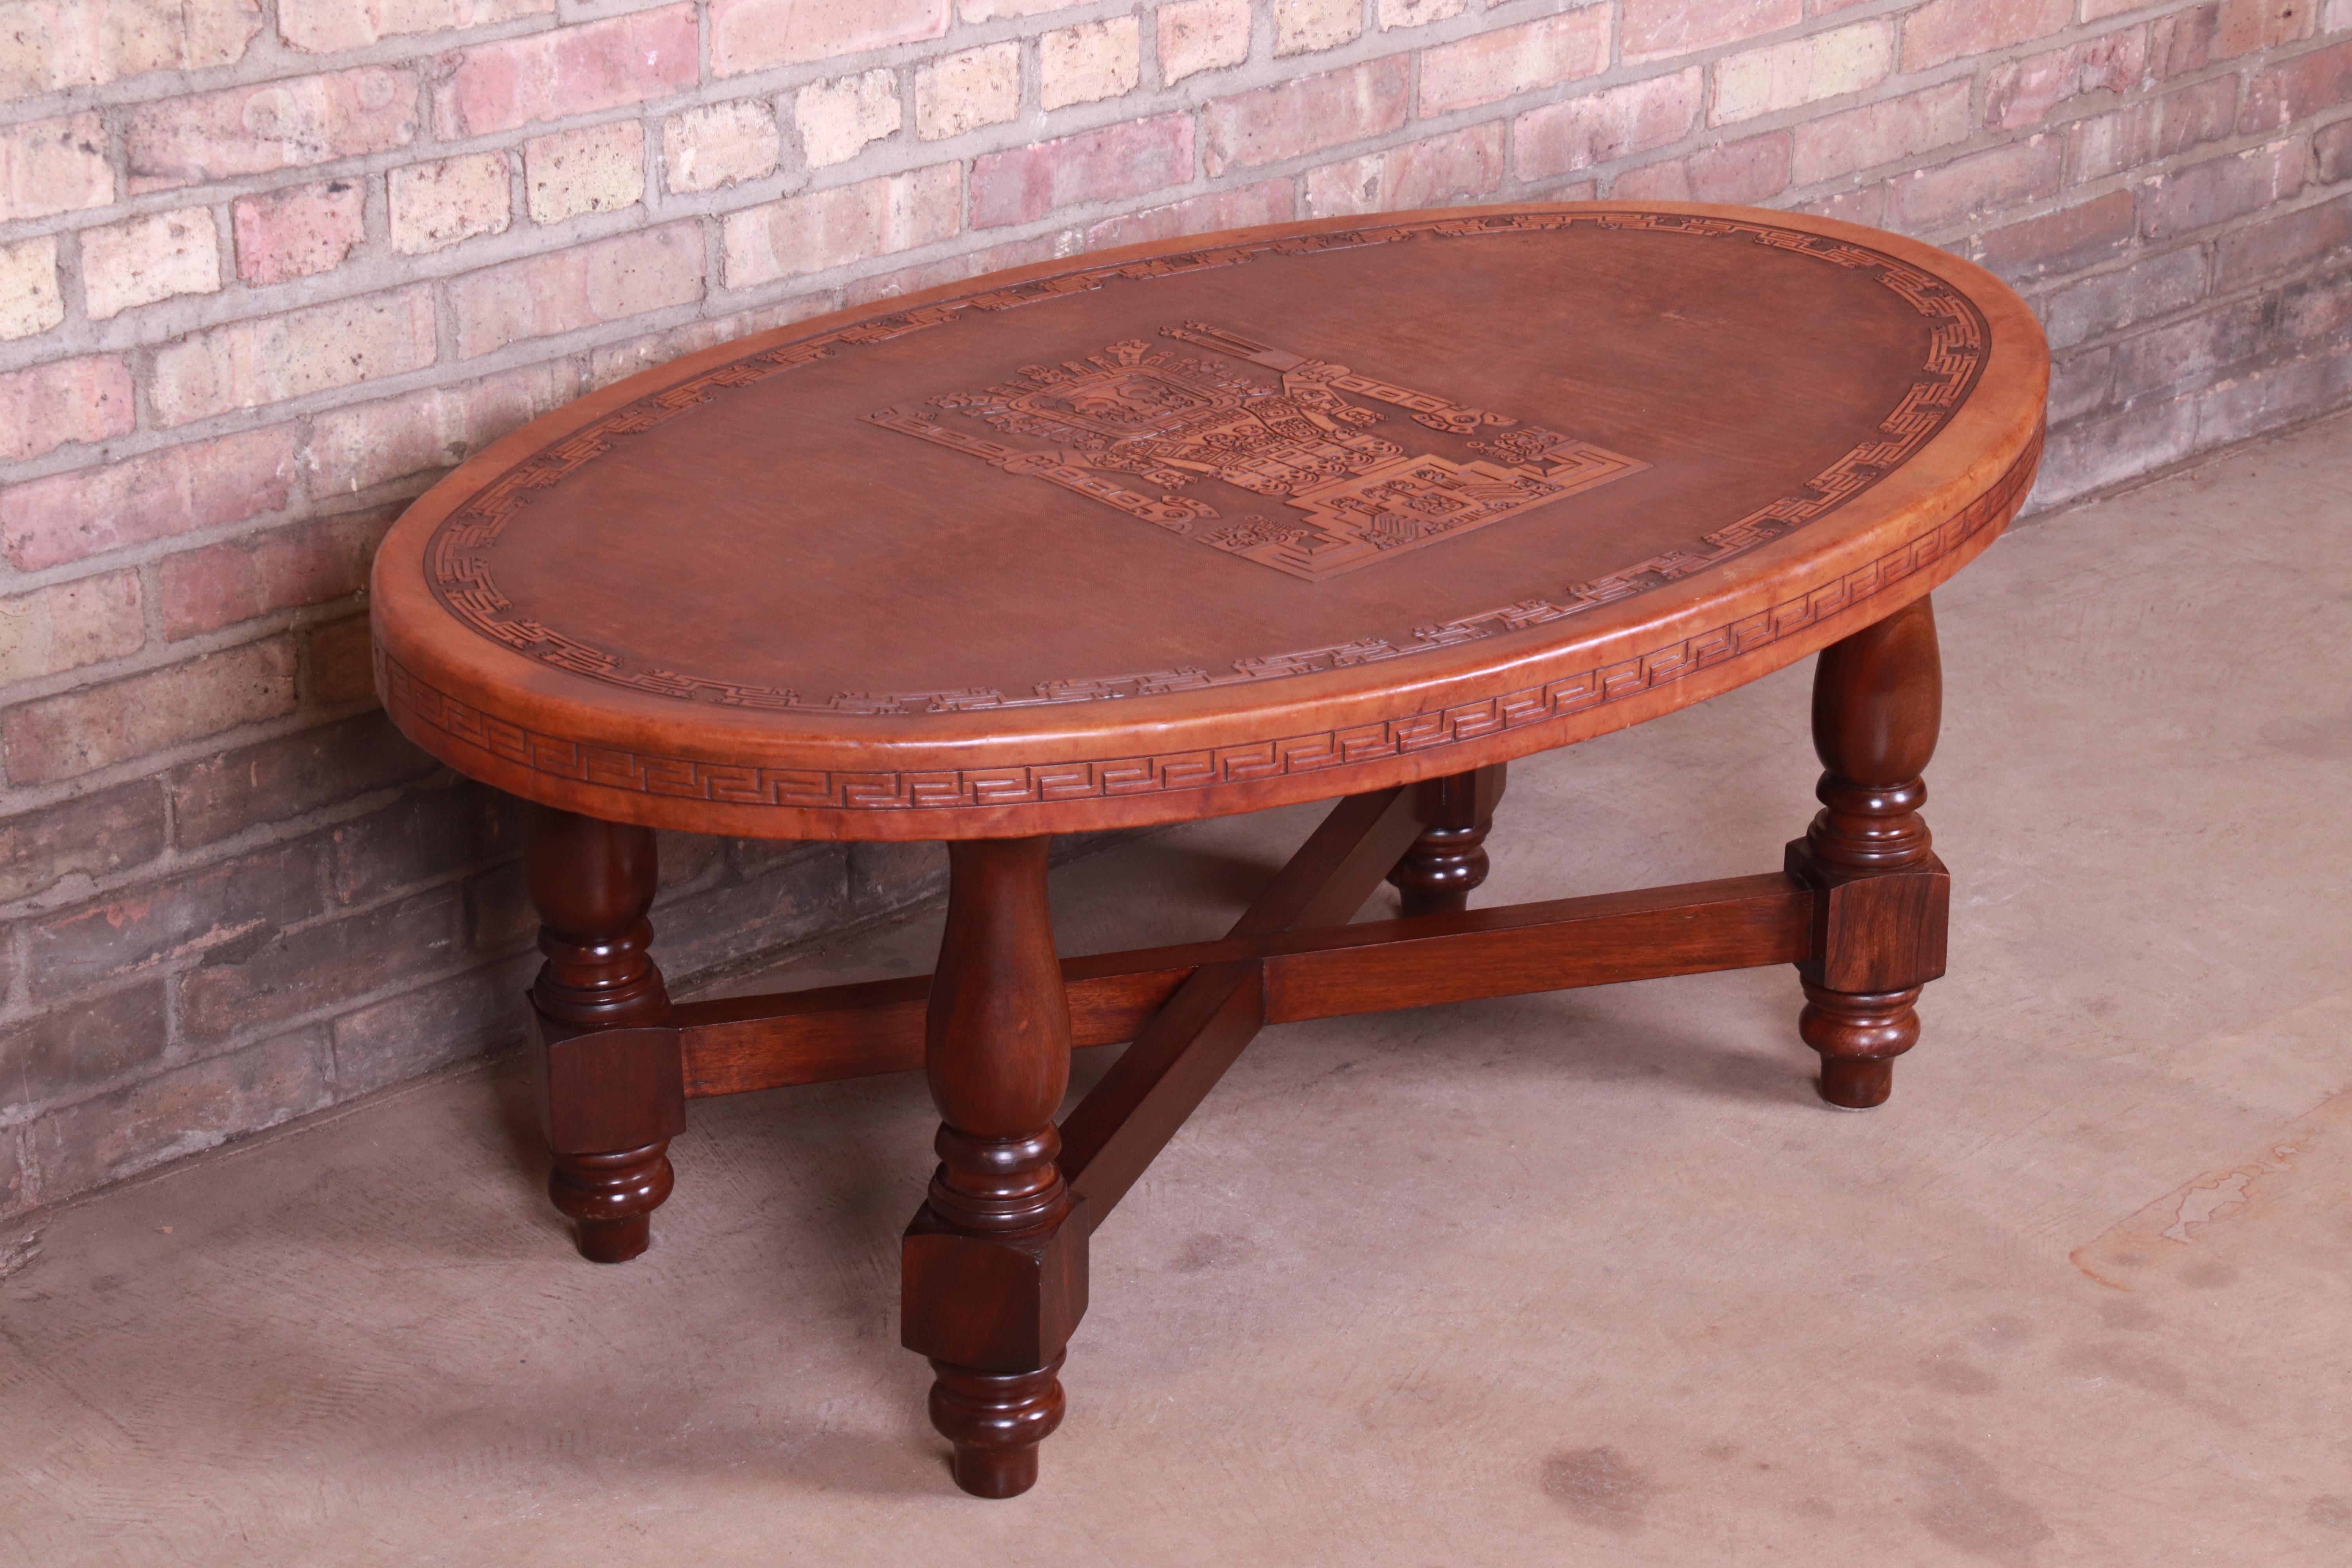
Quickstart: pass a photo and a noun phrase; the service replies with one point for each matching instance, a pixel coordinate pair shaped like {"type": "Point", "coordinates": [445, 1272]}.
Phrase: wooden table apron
{"type": "Point", "coordinates": [1357, 508]}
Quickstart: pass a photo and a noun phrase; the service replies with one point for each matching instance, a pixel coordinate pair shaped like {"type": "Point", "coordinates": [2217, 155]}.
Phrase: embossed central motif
{"type": "Point", "coordinates": [1134, 427]}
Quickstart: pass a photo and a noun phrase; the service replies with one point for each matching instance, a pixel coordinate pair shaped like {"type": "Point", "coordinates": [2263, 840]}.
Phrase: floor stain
{"type": "Point", "coordinates": [1948, 1370]}
{"type": "Point", "coordinates": [1598, 1486]}
{"type": "Point", "coordinates": [2332, 1512]}
{"type": "Point", "coordinates": [1212, 1249]}
{"type": "Point", "coordinates": [2171, 1238]}
{"type": "Point", "coordinates": [1967, 1506]}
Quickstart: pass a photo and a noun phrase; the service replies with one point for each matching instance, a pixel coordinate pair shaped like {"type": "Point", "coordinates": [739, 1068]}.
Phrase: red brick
{"type": "Point", "coordinates": [94, 834]}
{"type": "Point", "coordinates": [183, 913]}
{"type": "Point", "coordinates": [46, 523]}
{"type": "Point", "coordinates": [2299, 88]}
{"type": "Point", "coordinates": [2067, 240]}
{"type": "Point", "coordinates": [1882, 132]}
{"type": "Point", "coordinates": [305, 971]}
{"type": "Point", "coordinates": [2023, 93]}
{"type": "Point", "coordinates": [46, 405]}
{"type": "Point", "coordinates": [1269, 200]}
{"type": "Point", "coordinates": [1967, 188]}
{"type": "Point", "coordinates": [2331, 153]}
{"type": "Point", "coordinates": [272, 358]}
{"type": "Point", "coordinates": [281, 124]}
{"type": "Point", "coordinates": [1441, 171]}
{"type": "Point", "coordinates": [2283, 244]}
{"type": "Point", "coordinates": [1656, 28]}
{"type": "Point", "coordinates": [2194, 352]}
{"type": "Point", "coordinates": [585, 285]}
{"type": "Point", "coordinates": [1945, 30]}
{"type": "Point", "coordinates": [2264, 399]}
{"type": "Point", "coordinates": [1602, 126]}
{"type": "Point", "coordinates": [2223, 188]}
{"type": "Point", "coordinates": [1866, 205]}
{"type": "Point", "coordinates": [368, 443]}
{"type": "Point", "coordinates": [337, 662]}
{"type": "Point", "coordinates": [2078, 383]}
{"type": "Point", "coordinates": [279, 779]}
{"type": "Point", "coordinates": [2180, 43]}
{"type": "Point", "coordinates": [425, 835]}
{"type": "Point", "coordinates": [441, 1022]}
{"type": "Point", "coordinates": [567, 71]}
{"type": "Point", "coordinates": [309, 563]}
{"type": "Point", "coordinates": [2247, 26]}
{"type": "Point", "coordinates": [1753, 170]}
{"type": "Point", "coordinates": [1508, 61]}
{"type": "Point", "coordinates": [2094, 453]}
{"type": "Point", "coordinates": [79, 1047]}
{"type": "Point", "coordinates": [2153, 127]}
{"type": "Point", "coordinates": [1276, 123]}
{"type": "Point", "coordinates": [298, 231]}
{"type": "Point", "coordinates": [2155, 286]}
{"type": "Point", "coordinates": [54, 166]}
{"type": "Point", "coordinates": [1129, 159]}
{"type": "Point", "coordinates": [844, 223]}
{"type": "Point", "coordinates": [754, 35]}
{"type": "Point", "coordinates": [63, 736]}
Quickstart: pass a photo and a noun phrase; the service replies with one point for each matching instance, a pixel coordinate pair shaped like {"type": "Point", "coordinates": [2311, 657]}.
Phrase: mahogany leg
{"type": "Point", "coordinates": [994, 1276]}
{"type": "Point", "coordinates": [1879, 920]}
{"type": "Point", "coordinates": [1449, 860]}
{"type": "Point", "coordinates": [606, 1069]}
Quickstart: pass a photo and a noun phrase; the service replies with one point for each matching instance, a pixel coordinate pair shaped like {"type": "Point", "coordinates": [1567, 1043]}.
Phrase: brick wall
{"type": "Point", "coordinates": [269, 266]}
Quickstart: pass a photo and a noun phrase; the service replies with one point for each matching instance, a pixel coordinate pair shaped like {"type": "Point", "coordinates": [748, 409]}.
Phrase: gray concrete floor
{"type": "Point", "coordinates": [1584, 1278]}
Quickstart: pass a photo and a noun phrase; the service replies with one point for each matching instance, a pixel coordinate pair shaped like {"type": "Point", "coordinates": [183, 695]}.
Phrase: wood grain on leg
{"type": "Point", "coordinates": [607, 1066]}
{"type": "Point", "coordinates": [994, 1264]}
{"type": "Point", "coordinates": [1882, 898]}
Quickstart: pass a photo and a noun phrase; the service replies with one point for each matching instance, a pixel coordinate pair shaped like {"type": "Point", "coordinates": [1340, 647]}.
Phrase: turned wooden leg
{"type": "Point", "coordinates": [994, 1266]}
{"type": "Point", "coordinates": [1879, 922]}
{"type": "Point", "coordinates": [605, 1066]}
{"type": "Point", "coordinates": [1437, 874]}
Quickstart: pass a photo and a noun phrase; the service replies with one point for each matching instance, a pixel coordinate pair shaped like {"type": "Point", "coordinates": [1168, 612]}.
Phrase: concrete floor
{"type": "Point", "coordinates": [1585, 1278]}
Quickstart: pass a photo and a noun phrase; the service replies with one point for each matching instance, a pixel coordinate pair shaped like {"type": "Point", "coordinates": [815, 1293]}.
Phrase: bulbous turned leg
{"type": "Point", "coordinates": [994, 1268]}
{"type": "Point", "coordinates": [1882, 897]}
{"type": "Point", "coordinates": [607, 1068]}
{"type": "Point", "coordinates": [1437, 875]}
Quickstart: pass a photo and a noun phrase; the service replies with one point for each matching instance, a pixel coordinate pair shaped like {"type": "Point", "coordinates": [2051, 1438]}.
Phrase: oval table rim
{"type": "Point", "coordinates": [1974, 472]}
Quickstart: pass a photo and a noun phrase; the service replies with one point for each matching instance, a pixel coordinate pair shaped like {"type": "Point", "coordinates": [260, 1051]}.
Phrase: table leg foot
{"type": "Point", "coordinates": [1448, 861]}
{"type": "Point", "coordinates": [612, 1198]}
{"type": "Point", "coordinates": [1859, 1038]}
{"type": "Point", "coordinates": [996, 1419]}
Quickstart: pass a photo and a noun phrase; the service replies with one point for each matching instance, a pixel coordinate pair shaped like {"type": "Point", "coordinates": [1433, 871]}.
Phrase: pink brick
{"type": "Point", "coordinates": [298, 231]}
{"type": "Point", "coordinates": [2331, 153]}
{"type": "Point", "coordinates": [30, 300]}
{"type": "Point", "coordinates": [2247, 26]}
{"type": "Point", "coordinates": [69, 625]}
{"type": "Point", "coordinates": [310, 563]}
{"type": "Point", "coordinates": [2023, 93]}
{"type": "Point", "coordinates": [1129, 159]}
{"type": "Point", "coordinates": [2299, 88]}
{"type": "Point", "coordinates": [2180, 43]}
{"type": "Point", "coordinates": [323, 26]}
{"type": "Point", "coordinates": [1269, 200]}
{"type": "Point", "coordinates": [369, 444]}
{"type": "Point", "coordinates": [1753, 170]}
{"type": "Point", "coordinates": [1512, 60]}
{"type": "Point", "coordinates": [2151, 129]}
{"type": "Point", "coordinates": [269, 360]}
{"type": "Point", "coordinates": [1201, 35]}
{"type": "Point", "coordinates": [1441, 171]}
{"type": "Point", "coordinates": [824, 229]}
{"type": "Point", "coordinates": [1418, 13]}
{"type": "Point", "coordinates": [1089, 62]}
{"type": "Point", "coordinates": [1879, 133]}
{"type": "Point", "coordinates": [1603, 126]}
{"type": "Point", "coordinates": [1799, 71]}
{"type": "Point", "coordinates": [78, 732]}
{"type": "Point", "coordinates": [54, 166]}
{"type": "Point", "coordinates": [752, 34]}
{"type": "Point", "coordinates": [1656, 28]}
{"type": "Point", "coordinates": [54, 45]}
{"type": "Point", "coordinates": [1304, 116]}
{"type": "Point", "coordinates": [2067, 240]}
{"type": "Point", "coordinates": [67, 517]}
{"type": "Point", "coordinates": [1304, 27]}
{"type": "Point", "coordinates": [585, 285]}
{"type": "Point", "coordinates": [2223, 188]}
{"type": "Point", "coordinates": [569, 70]}
{"type": "Point", "coordinates": [1945, 30]}
{"type": "Point", "coordinates": [2011, 177]}
{"type": "Point", "coordinates": [274, 125]}
{"type": "Point", "coordinates": [2287, 243]}
{"type": "Point", "coordinates": [437, 204]}
{"type": "Point", "coordinates": [150, 258]}
{"type": "Point", "coordinates": [46, 405]}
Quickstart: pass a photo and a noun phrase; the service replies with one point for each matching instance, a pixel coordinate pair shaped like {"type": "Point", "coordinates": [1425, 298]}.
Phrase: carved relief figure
{"type": "Point", "coordinates": [1134, 427]}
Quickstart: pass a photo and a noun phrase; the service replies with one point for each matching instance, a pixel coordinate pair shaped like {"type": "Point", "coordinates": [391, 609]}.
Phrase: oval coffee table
{"type": "Point", "coordinates": [1351, 509]}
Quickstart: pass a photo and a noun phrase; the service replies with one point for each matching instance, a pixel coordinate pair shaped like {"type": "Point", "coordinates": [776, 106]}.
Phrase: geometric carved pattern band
{"type": "Point", "coordinates": [463, 577]}
{"type": "Point", "coordinates": [413, 704]}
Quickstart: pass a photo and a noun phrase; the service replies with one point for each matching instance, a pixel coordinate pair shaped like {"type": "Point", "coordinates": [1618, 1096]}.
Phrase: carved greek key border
{"type": "Point", "coordinates": [460, 571]}
{"type": "Point", "coordinates": [413, 705]}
